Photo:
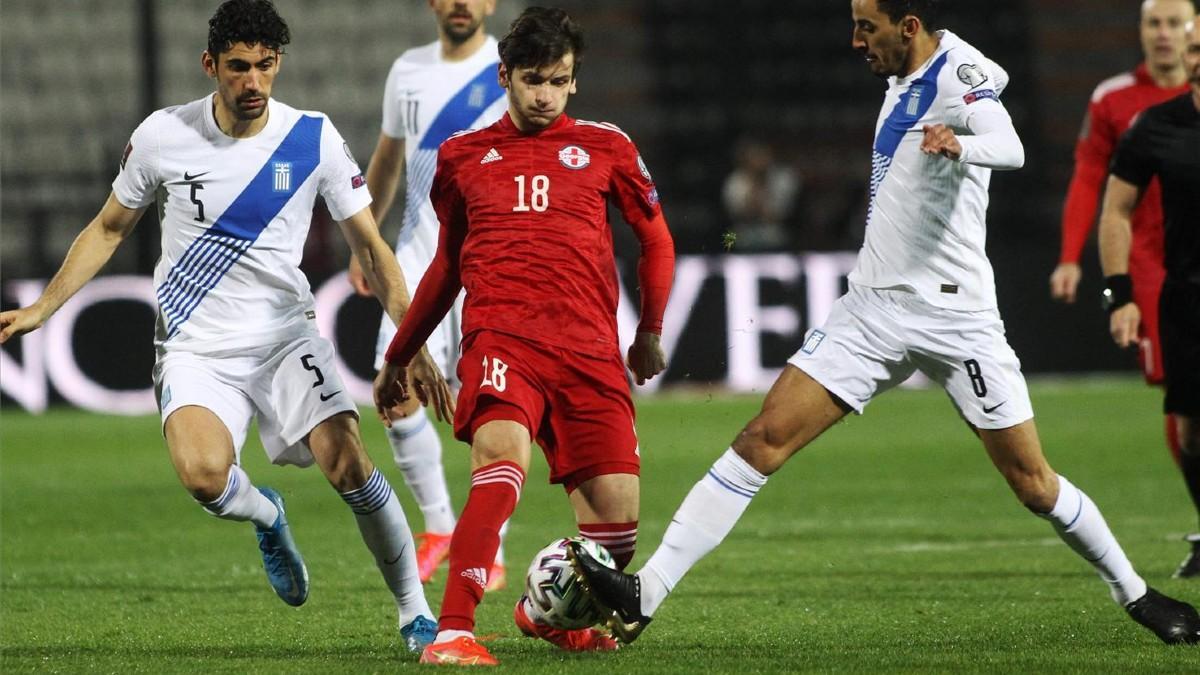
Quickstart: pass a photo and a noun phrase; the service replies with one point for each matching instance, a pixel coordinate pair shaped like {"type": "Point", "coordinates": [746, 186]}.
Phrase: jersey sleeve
{"type": "Point", "coordinates": [393, 113]}
{"type": "Point", "coordinates": [631, 186]}
{"type": "Point", "coordinates": [342, 183]}
{"type": "Point", "coordinates": [637, 197]}
{"type": "Point", "coordinates": [1093, 150]}
{"type": "Point", "coordinates": [972, 88]}
{"type": "Point", "coordinates": [139, 177]}
{"type": "Point", "coordinates": [1133, 161]}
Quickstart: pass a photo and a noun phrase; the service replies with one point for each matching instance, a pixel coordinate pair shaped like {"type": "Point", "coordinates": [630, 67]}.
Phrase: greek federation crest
{"type": "Point", "coordinates": [282, 173]}
{"type": "Point", "coordinates": [574, 157]}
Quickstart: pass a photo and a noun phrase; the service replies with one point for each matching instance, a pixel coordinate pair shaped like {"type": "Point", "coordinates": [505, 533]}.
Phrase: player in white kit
{"type": "Point", "coordinates": [432, 91]}
{"type": "Point", "coordinates": [237, 174]}
{"type": "Point", "coordinates": [922, 297]}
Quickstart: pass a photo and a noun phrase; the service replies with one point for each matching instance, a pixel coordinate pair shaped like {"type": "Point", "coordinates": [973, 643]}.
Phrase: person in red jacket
{"type": "Point", "coordinates": [523, 208]}
{"type": "Point", "coordinates": [1115, 104]}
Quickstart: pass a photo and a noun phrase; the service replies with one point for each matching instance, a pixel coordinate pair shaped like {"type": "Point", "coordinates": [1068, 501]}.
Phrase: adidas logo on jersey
{"type": "Point", "coordinates": [476, 574]}
{"type": "Point", "coordinates": [491, 156]}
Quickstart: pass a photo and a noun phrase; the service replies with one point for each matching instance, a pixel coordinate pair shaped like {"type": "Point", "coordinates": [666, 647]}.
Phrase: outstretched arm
{"type": "Point", "coordinates": [92, 249]}
{"type": "Point", "coordinates": [1116, 235]}
{"type": "Point", "coordinates": [994, 143]}
{"type": "Point", "coordinates": [382, 272]}
{"type": "Point", "coordinates": [377, 263]}
{"type": "Point", "coordinates": [436, 294]}
{"type": "Point", "coordinates": [383, 178]}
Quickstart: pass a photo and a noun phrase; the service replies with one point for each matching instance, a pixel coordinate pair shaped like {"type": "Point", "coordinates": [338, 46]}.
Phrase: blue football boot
{"type": "Point", "coordinates": [419, 633]}
{"type": "Point", "coordinates": [281, 559]}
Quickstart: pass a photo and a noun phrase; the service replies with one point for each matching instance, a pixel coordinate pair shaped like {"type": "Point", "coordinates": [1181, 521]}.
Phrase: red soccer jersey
{"type": "Point", "coordinates": [524, 229]}
{"type": "Point", "coordinates": [1114, 105]}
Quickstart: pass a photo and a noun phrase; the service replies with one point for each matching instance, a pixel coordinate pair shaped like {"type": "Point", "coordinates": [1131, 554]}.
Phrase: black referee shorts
{"type": "Point", "coordinates": [1179, 325]}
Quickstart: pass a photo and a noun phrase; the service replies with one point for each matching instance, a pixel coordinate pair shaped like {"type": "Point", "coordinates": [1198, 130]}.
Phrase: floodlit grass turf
{"type": "Point", "coordinates": [891, 544]}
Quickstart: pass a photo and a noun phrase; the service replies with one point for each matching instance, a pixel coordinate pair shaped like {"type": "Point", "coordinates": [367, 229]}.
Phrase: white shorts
{"type": "Point", "coordinates": [290, 387]}
{"type": "Point", "coordinates": [875, 339]}
{"type": "Point", "coordinates": [443, 343]}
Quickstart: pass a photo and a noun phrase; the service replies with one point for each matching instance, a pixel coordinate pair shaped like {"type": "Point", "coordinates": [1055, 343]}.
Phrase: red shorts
{"type": "Point", "coordinates": [1147, 286]}
{"type": "Point", "coordinates": [576, 407]}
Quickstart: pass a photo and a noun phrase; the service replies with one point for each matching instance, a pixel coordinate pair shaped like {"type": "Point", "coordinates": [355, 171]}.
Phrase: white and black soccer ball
{"type": "Point", "coordinates": [552, 587]}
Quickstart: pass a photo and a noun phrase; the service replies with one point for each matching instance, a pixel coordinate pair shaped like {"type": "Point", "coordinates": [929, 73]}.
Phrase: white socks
{"type": "Point", "coordinates": [707, 514]}
{"type": "Point", "coordinates": [242, 501]}
{"type": "Point", "coordinates": [385, 531]}
{"type": "Point", "coordinates": [1079, 523]}
{"type": "Point", "coordinates": [417, 450]}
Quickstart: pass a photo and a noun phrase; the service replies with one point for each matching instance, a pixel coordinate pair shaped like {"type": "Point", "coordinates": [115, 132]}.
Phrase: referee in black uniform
{"type": "Point", "coordinates": [1164, 142]}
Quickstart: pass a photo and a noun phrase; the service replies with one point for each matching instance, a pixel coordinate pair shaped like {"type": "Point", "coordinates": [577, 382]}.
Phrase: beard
{"type": "Point", "coordinates": [460, 34]}
{"type": "Point", "coordinates": [248, 114]}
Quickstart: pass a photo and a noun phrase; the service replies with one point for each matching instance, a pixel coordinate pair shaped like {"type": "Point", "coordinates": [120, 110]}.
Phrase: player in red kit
{"type": "Point", "coordinates": [1114, 105]}
{"type": "Point", "coordinates": [522, 206]}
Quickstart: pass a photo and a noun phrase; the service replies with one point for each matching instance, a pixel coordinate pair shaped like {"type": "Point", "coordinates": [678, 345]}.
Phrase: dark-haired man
{"type": "Point", "coordinates": [922, 297]}
{"type": "Point", "coordinates": [235, 334]}
{"type": "Point", "coordinates": [522, 205]}
{"type": "Point", "coordinates": [1115, 103]}
{"type": "Point", "coordinates": [432, 91]}
{"type": "Point", "coordinates": [1164, 143]}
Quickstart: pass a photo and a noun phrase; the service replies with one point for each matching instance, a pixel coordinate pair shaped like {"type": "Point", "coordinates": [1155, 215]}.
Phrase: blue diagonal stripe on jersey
{"type": "Point", "coordinates": [458, 114]}
{"type": "Point", "coordinates": [898, 122]}
{"type": "Point", "coordinates": [901, 119]}
{"type": "Point", "coordinates": [214, 252]}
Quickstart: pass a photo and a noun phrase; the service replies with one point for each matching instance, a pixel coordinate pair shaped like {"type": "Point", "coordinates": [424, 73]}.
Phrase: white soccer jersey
{"type": "Point", "coordinates": [234, 221]}
{"type": "Point", "coordinates": [427, 99]}
{"type": "Point", "coordinates": [926, 226]}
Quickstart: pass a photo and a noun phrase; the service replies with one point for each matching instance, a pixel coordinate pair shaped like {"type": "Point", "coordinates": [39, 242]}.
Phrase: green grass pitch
{"type": "Point", "coordinates": [889, 545]}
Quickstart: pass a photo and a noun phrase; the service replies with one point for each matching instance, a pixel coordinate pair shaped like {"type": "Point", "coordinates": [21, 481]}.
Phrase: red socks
{"type": "Point", "coordinates": [495, 490]}
{"type": "Point", "coordinates": [619, 538]}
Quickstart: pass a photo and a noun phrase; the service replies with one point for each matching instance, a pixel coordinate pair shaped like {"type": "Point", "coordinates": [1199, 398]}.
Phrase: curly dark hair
{"type": "Point", "coordinates": [541, 36]}
{"type": "Point", "coordinates": [928, 11]}
{"type": "Point", "coordinates": [255, 22]}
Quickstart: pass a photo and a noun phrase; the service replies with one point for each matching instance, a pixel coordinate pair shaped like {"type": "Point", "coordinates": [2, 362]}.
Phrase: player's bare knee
{"type": "Point", "coordinates": [205, 478]}
{"type": "Point", "coordinates": [492, 450]}
{"type": "Point", "coordinates": [336, 446]}
{"type": "Point", "coordinates": [1037, 490]}
{"type": "Point", "coordinates": [762, 447]}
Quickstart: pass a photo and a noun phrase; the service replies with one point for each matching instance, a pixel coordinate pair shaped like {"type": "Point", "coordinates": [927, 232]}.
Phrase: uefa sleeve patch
{"type": "Point", "coordinates": [813, 341]}
{"type": "Point", "coordinates": [980, 95]}
{"type": "Point", "coordinates": [357, 182]}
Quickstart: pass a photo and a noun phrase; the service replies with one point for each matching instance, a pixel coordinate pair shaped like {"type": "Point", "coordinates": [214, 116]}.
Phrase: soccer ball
{"type": "Point", "coordinates": [553, 589]}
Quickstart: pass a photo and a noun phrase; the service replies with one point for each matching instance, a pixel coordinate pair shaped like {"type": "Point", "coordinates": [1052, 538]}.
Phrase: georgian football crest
{"type": "Point", "coordinates": [574, 157]}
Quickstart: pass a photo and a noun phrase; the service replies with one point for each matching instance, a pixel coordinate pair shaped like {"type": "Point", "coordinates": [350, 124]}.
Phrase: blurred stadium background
{"type": "Point", "coordinates": [107, 566]}
{"type": "Point", "coordinates": [688, 79]}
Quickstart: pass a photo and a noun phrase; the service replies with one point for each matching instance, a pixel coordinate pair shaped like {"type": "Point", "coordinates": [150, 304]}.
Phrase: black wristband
{"type": "Point", "coordinates": [1118, 292]}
